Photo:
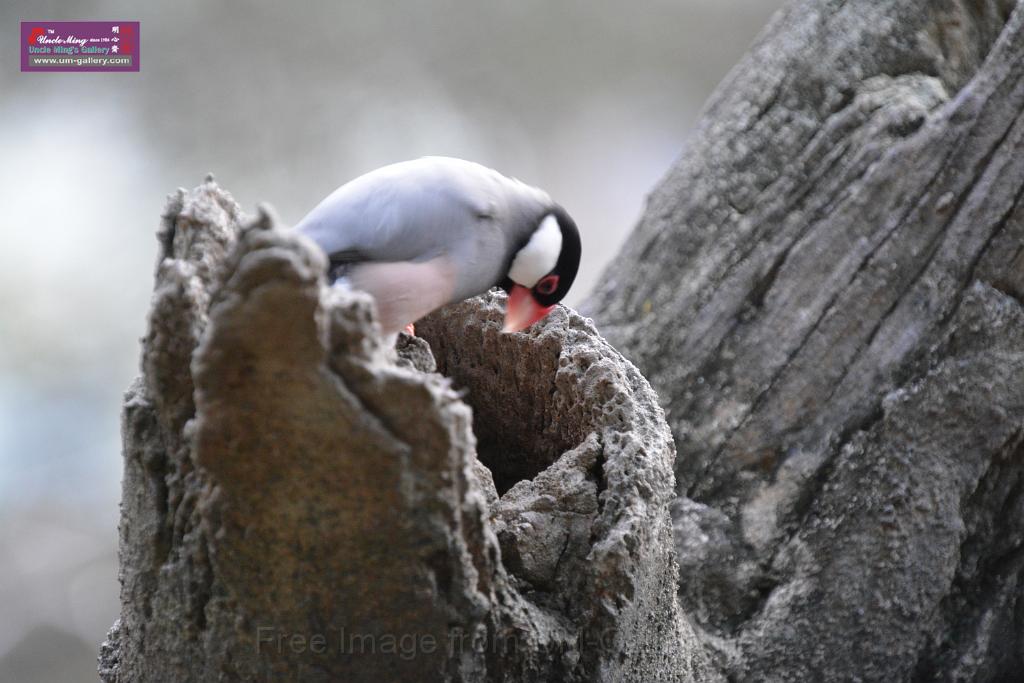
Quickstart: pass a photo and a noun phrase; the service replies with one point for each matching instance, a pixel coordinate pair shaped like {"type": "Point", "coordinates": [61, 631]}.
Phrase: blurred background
{"type": "Point", "coordinates": [589, 99]}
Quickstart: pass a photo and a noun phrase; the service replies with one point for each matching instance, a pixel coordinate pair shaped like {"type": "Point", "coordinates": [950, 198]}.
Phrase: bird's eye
{"type": "Point", "coordinates": [548, 285]}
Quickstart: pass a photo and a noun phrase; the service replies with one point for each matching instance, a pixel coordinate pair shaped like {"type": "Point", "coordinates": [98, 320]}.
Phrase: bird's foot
{"type": "Point", "coordinates": [410, 330]}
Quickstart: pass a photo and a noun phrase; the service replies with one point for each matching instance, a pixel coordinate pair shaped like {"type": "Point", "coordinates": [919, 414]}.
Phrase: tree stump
{"type": "Point", "coordinates": [300, 504]}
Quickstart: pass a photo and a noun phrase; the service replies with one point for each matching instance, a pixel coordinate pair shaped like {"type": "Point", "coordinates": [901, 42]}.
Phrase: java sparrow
{"type": "Point", "coordinates": [420, 234]}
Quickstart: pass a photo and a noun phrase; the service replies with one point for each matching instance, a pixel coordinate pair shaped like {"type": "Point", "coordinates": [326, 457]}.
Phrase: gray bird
{"type": "Point", "coordinates": [421, 234]}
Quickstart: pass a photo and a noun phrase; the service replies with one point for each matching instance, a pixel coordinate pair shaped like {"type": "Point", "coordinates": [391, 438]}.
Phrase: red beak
{"type": "Point", "coordinates": [522, 310]}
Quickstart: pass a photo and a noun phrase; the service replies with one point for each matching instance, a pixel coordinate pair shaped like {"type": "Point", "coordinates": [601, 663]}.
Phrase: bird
{"type": "Point", "coordinates": [418, 235]}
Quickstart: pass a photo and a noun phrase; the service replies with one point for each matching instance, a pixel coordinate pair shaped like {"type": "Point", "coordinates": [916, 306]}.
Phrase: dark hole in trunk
{"type": "Point", "coordinates": [509, 382]}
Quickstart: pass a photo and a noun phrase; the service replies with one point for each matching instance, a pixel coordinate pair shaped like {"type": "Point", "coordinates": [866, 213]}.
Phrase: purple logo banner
{"type": "Point", "coordinates": [80, 46]}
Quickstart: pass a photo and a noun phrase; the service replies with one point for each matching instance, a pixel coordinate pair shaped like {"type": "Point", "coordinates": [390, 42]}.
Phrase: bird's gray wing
{"type": "Point", "coordinates": [420, 210]}
{"type": "Point", "coordinates": [408, 211]}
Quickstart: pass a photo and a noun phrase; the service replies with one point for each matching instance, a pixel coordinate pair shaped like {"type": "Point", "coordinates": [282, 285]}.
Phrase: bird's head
{"type": "Point", "coordinates": [542, 270]}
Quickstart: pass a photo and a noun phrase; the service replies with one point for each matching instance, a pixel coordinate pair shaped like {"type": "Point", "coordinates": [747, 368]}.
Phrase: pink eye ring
{"type": "Point", "coordinates": [547, 285]}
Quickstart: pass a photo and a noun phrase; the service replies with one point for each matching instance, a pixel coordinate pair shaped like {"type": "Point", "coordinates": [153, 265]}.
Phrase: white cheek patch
{"type": "Point", "coordinates": [540, 254]}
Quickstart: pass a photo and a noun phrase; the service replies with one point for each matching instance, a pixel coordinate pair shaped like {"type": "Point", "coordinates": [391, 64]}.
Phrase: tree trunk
{"type": "Point", "coordinates": [826, 293]}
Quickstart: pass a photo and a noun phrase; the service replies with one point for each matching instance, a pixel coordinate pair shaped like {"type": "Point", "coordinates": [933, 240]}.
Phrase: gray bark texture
{"type": "Point", "coordinates": [299, 504]}
{"type": "Point", "coordinates": [825, 291]}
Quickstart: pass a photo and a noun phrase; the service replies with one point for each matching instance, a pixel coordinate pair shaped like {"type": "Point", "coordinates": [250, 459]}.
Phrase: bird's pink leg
{"type": "Point", "coordinates": [410, 329]}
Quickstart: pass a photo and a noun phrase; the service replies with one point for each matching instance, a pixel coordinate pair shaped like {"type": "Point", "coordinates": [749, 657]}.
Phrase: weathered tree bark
{"type": "Point", "coordinates": [297, 506]}
{"type": "Point", "coordinates": [826, 293]}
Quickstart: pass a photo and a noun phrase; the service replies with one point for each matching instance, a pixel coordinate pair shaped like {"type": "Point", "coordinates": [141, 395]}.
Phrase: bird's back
{"type": "Point", "coordinates": [419, 210]}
